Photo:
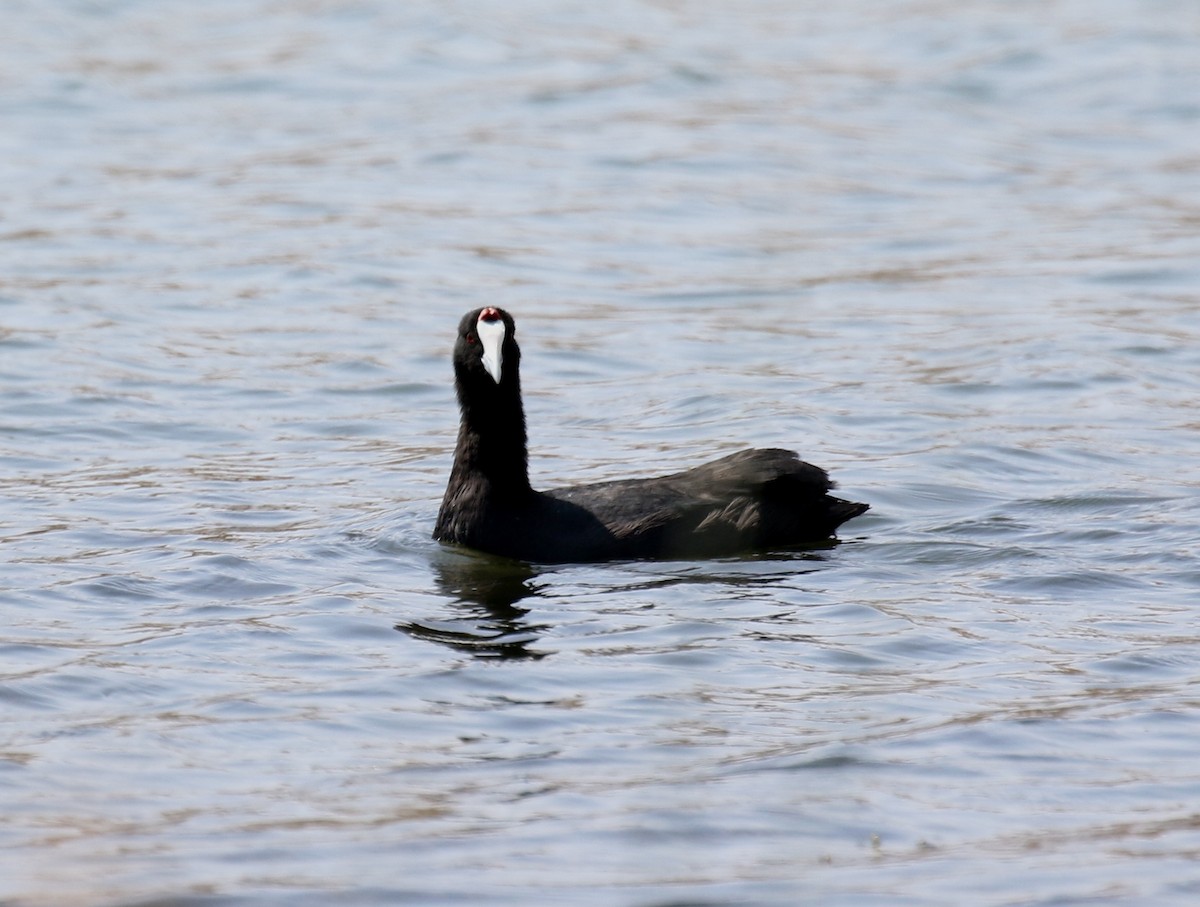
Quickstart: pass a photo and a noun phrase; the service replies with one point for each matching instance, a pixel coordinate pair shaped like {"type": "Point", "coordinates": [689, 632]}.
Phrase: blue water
{"type": "Point", "coordinates": [947, 251]}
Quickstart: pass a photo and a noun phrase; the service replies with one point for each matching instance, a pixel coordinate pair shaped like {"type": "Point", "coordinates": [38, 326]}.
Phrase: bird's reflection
{"type": "Point", "coordinates": [485, 592]}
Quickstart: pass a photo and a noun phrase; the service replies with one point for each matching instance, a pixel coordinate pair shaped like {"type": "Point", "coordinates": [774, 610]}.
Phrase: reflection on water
{"type": "Point", "coordinates": [486, 591]}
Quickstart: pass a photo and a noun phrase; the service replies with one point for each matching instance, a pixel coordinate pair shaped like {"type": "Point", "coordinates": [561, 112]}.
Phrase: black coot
{"type": "Point", "coordinates": [762, 498]}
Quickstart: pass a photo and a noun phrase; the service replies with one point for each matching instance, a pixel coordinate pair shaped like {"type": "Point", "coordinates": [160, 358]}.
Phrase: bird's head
{"type": "Point", "coordinates": [486, 350]}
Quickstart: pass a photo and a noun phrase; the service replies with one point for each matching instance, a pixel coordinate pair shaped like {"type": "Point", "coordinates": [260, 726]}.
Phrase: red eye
{"type": "Point", "coordinates": [471, 339]}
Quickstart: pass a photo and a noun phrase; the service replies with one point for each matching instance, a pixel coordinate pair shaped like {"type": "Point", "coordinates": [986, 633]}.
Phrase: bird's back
{"type": "Point", "coordinates": [758, 498]}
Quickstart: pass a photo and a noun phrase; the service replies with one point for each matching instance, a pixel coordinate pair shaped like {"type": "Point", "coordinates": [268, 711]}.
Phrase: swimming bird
{"type": "Point", "coordinates": [752, 499]}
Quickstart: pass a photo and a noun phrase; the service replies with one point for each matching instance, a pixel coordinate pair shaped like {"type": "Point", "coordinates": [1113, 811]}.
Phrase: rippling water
{"type": "Point", "coordinates": [948, 251]}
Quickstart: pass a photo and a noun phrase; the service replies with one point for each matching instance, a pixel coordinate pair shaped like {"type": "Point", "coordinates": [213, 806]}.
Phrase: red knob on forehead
{"type": "Point", "coordinates": [491, 313]}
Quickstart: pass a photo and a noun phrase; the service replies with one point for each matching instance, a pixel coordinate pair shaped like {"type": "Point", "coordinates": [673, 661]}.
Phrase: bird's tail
{"type": "Point", "coordinates": [840, 511]}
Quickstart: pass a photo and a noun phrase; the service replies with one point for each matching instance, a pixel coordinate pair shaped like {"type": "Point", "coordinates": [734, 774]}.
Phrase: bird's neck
{"type": "Point", "coordinates": [492, 440]}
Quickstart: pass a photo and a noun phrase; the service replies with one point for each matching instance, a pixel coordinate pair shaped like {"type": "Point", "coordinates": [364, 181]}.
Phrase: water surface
{"type": "Point", "coordinates": [948, 252]}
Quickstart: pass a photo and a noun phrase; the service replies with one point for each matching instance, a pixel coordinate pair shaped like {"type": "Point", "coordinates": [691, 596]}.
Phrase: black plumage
{"type": "Point", "coordinates": [752, 499]}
